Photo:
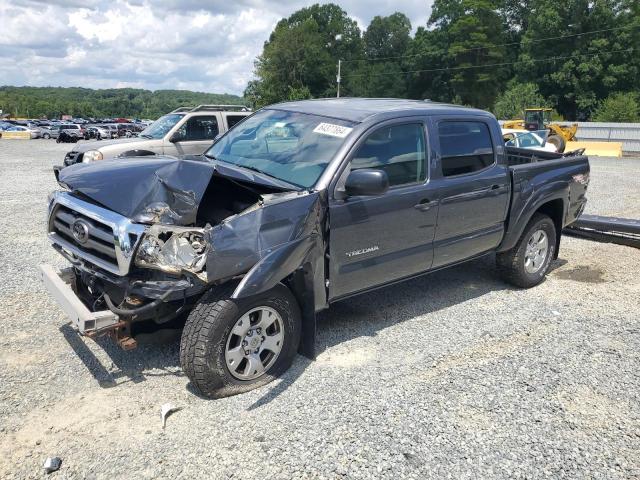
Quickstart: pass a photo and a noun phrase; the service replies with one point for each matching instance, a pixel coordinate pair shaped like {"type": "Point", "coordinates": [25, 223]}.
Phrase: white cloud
{"type": "Point", "coordinates": [203, 45]}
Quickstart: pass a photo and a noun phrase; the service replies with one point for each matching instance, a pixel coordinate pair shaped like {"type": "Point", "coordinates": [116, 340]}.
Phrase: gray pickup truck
{"type": "Point", "coordinates": [300, 206]}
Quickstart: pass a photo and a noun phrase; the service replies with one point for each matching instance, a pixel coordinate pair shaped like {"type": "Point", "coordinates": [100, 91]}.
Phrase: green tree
{"type": "Point", "coordinates": [473, 32]}
{"type": "Point", "coordinates": [618, 107]}
{"type": "Point", "coordinates": [578, 71]}
{"type": "Point", "coordinates": [381, 73]}
{"type": "Point", "coordinates": [427, 52]}
{"type": "Point", "coordinates": [52, 102]}
{"type": "Point", "coordinates": [512, 102]}
{"type": "Point", "coordinates": [302, 52]}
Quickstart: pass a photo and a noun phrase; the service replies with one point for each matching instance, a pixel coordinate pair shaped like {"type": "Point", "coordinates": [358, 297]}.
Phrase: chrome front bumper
{"type": "Point", "coordinates": [87, 322]}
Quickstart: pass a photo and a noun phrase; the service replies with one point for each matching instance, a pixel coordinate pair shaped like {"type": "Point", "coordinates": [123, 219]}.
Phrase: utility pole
{"type": "Point", "coordinates": [338, 78]}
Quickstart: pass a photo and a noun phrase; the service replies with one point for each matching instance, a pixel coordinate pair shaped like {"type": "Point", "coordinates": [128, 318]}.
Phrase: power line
{"type": "Point", "coordinates": [504, 64]}
{"type": "Point", "coordinates": [537, 40]}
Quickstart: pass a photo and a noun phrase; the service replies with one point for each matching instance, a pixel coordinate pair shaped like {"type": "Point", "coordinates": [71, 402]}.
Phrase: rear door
{"type": "Point", "coordinates": [194, 136]}
{"type": "Point", "coordinates": [473, 188]}
{"type": "Point", "coordinates": [378, 239]}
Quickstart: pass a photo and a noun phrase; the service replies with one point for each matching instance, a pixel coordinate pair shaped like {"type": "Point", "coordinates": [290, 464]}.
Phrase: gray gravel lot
{"type": "Point", "coordinates": [454, 375]}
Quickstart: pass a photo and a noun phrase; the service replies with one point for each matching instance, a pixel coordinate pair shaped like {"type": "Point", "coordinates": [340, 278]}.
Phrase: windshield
{"type": "Point", "coordinates": [160, 127]}
{"type": "Point", "coordinates": [294, 147]}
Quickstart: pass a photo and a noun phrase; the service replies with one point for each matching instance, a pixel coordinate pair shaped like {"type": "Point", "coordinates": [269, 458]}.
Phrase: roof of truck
{"type": "Point", "coordinates": [360, 109]}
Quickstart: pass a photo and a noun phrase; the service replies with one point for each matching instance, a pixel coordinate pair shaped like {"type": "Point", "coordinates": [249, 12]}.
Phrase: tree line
{"type": "Point", "coordinates": [579, 57]}
{"type": "Point", "coordinates": [52, 102]}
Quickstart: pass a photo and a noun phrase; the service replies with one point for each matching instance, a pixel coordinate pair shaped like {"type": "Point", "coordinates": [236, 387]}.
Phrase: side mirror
{"type": "Point", "coordinates": [176, 137]}
{"type": "Point", "coordinates": [366, 182]}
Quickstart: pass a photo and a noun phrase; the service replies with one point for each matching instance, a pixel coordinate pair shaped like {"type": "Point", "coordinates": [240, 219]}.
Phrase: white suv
{"type": "Point", "coordinates": [185, 131]}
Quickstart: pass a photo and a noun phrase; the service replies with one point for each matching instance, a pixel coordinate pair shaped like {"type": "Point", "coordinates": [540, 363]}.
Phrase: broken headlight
{"type": "Point", "coordinates": [173, 250]}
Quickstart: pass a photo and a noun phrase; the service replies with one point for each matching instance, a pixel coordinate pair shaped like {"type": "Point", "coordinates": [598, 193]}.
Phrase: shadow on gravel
{"type": "Point", "coordinates": [369, 313]}
{"type": "Point", "coordinates": [129, 365]}
{"type": "Point", "coordinates": [285, 381]}
{"type": "Point", "coordinates": [364, 315]}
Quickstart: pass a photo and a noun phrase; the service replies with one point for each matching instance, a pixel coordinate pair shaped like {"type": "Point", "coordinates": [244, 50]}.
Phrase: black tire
{"type": "Point", "coordinates": [46, 136]}
{"type": "Point", "coordinates": [511, 264]}
{"type": "Point", "coordinates": [558, 142]}
{"type": "Point", "coordinates": [204, 339]}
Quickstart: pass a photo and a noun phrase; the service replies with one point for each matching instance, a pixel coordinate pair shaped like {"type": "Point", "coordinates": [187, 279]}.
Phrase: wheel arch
{"type": "Point", "coordinates": [299, 265]}
{"type": "Point", "coordinates": [554, 207]}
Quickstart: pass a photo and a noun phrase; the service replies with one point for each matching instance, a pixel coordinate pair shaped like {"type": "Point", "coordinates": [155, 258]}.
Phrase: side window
{"type": "Point", "coordinates": [399, 150]}
{"type": "Point", "coordinates": [199, 128]}
{"type": "Point", "coordinates": [233, 119]}
{"type": "Point", "coordinates": [465, 147]}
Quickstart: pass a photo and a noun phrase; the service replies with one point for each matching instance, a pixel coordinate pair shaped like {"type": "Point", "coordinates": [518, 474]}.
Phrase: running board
{"type": "Point", "coordinates": [623, 231]}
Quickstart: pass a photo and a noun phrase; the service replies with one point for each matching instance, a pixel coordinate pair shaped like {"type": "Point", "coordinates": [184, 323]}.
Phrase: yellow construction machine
{"type": "Point", "coordinates": [539, 118]}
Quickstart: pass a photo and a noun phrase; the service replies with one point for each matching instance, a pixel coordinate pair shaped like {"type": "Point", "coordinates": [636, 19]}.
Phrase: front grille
{"type": "Point", "coordinates": [72, 158]}
{"type": "Point", "coordinates": [92, 233]}
{"type": "Point", "coordinates": [100, 237]}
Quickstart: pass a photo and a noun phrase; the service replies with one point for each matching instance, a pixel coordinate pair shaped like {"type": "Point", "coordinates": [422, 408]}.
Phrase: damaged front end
{"type": "Point", "coordinates": [146, 237]}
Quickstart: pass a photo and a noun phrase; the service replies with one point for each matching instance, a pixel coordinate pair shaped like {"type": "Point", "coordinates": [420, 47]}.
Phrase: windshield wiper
{"type": "Point", "coordinates": [145, 136]}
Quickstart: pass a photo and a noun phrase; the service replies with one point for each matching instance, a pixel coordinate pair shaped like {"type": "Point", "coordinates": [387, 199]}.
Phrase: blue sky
{"type": "Point", "coordinates": [197, 45]}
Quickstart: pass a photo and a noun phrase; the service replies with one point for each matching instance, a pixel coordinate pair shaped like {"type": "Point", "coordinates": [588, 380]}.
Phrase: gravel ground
{"type": "Point", "coordinates": [454, 375]}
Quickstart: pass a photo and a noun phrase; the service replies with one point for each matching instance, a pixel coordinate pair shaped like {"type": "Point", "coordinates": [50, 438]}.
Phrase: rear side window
{"type": "Point", "coordinates": [199, 128]}
{"type": "Point", "coordinates": [465, 147]}
{"type": "Point", "coordinates": [399, 150]}
{"type": "Point", "coordinates": [233, 119]}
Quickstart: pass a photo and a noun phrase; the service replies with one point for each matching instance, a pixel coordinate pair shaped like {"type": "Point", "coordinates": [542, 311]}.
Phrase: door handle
{"type": "Point", "coordinates": [496, 189]}
{"type": "Point", "coordinates": [423, 205]}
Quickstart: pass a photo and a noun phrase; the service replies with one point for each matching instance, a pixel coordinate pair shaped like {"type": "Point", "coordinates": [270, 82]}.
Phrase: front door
{"type": "Point", "coordinates": [375, 240]}
{"type": "Point", "coordinates": [194, 136]}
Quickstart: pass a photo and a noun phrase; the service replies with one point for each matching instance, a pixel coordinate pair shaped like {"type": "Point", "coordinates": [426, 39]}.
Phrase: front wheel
{"type": "Point", "coordinates": [46, 136]}
{"type": "Point", "coordinates": [526, 264]}
{"type": "Point", "coordinates": [231, 346]}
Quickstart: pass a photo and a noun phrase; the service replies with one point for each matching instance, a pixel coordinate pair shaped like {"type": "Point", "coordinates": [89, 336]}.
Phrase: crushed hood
{"type": "Point", "coordinates": [146, 189]}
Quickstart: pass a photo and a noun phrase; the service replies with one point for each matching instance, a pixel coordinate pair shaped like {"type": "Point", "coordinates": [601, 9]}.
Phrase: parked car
{"type": "Point", "coordinates": [112, 129]}
{"type": "Point", "coordinates": [182, 132]}
{"type": "Point", "coordinates": [71, 128]}
{"type": "Point", "coordinates": [19, 128]}
{"type": "Point", "coordinates": [126, 130]}
{"type": "Point", "coordinates": [299, 206]}
{"type": "Point", "coordinates": [96, 132]}
{"type": "Point", "coordinates": [526, 139]}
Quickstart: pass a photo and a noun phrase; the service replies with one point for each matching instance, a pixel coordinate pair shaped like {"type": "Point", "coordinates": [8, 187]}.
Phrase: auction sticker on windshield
{"type": "Point", "coordinates": [332, 130]}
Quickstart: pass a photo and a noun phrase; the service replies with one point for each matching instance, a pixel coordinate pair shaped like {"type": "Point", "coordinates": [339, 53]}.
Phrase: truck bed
{"type": "Point", "coordinates": [519, 156]}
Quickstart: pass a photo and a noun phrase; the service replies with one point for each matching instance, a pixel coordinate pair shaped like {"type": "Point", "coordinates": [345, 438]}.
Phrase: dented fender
{"type": "Point", "coordinates": [269, 242]}
{"type": "Point", "coordinates": [278, 264]}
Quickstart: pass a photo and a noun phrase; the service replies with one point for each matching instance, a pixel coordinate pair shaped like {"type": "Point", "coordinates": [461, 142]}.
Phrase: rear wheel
{"type": "Point", "coordinates": [558, 142]}
{"type": "Point", "coordinates": [231, 346]}
{"type": "Point", "coordinates": [526, 264]}
{"type": "Point", "coordinates": [46, 136]}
